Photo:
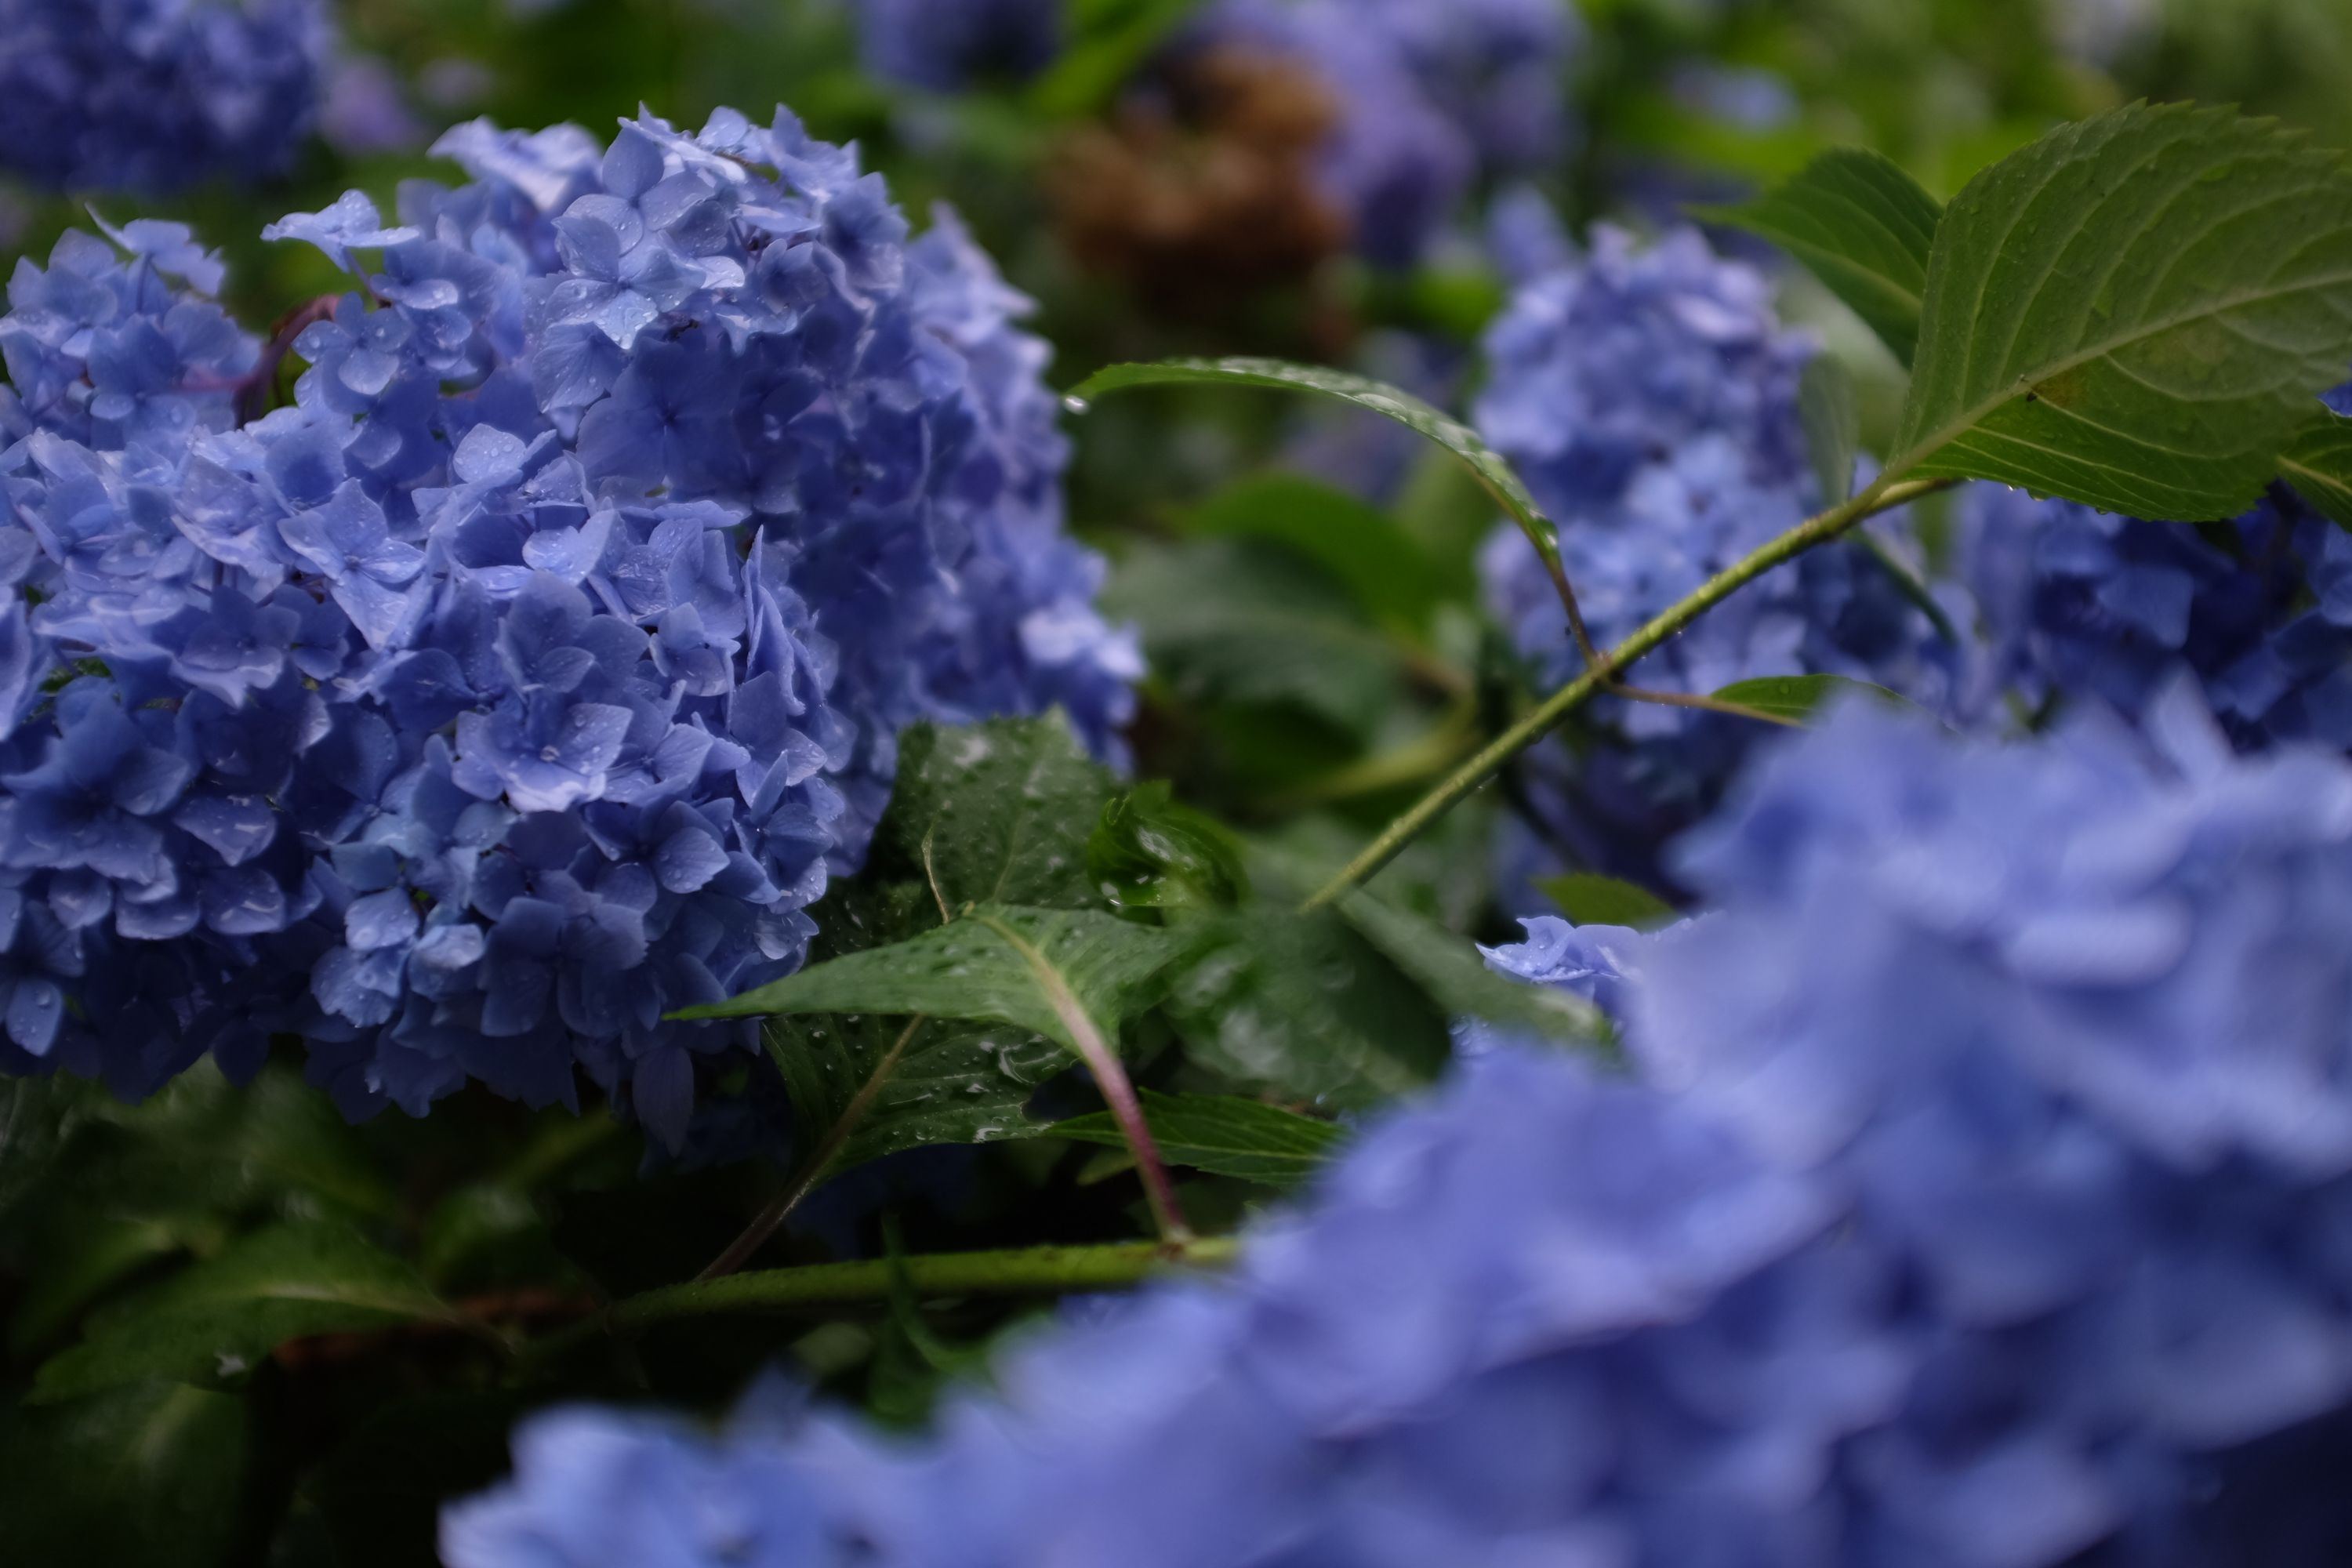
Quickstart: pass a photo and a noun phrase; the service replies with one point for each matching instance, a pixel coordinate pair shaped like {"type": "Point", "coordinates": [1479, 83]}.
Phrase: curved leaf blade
{"type": "Point", "coordinates": [2134, 314]}
{"type": "Point", "coordinates": [2318, 464]}
{"type": "Point", "coordinates": [1860, 225]}
{"type": "Point", "coordinates": [1393, 402]}
{"type": "Point", "coordinates": [1224, 1135]}
{"type": "Point", "coordinates": [995, 813]}
{"type": "Point", "coordinates": [984, 968]}
{"type": "Point", "coordinates": [1797, 698]}
{"type": "Point", "coordinates": [1589, 899]}
{"type": "Point", "coordinates": [1832, 425]}
{"type": "Point", "coordinates": [218, 1320]}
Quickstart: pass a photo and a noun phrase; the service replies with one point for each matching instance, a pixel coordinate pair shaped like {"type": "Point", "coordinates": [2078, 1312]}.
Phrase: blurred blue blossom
{"type": "Point", "coordinates": [1431, 100]}
{"type": "Point", "coordinates": [1649, 398]}
{"type": "Point", "coordinates": [153, 95]}
{"type": "Point", "coordinates": [944, 45]}
{"type": "Point", "coordinates": [529, 676]}
{"type": "Point", "coordinates": [1982, 1203]}
{"type": "Point", "coordinates": [2085, 606]}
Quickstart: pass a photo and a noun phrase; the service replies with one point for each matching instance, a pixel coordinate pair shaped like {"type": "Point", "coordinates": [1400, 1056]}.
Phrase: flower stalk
{"type": "Point", "coordinates": [1599, 675]}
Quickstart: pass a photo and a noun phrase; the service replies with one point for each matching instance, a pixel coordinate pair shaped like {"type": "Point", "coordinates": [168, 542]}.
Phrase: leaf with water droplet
{"type": "Point", "coordinates": [1304, 1007]}
{"type": "Point", "coordinates": [1152, 857]}
{"type": "Point", "coordinates": [982, 968]}
{"type": "Point", "coordinates": [993, 813]}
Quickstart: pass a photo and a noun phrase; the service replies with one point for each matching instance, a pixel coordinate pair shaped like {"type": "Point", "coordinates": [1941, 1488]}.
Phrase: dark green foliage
{"type": "Point", "coordinates": [1864, 226]}
{"type": "Point", "coordinates": [2318, 464]}
{"type": "Point", "coordinates": [1588, 899]}
{"type": "Point", "coordinates": [1151, 854]}
{"type": "Point", "coordinates": [1223, 1134]}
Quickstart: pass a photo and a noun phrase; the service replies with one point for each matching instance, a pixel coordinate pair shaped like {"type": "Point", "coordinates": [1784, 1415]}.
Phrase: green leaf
{"type": "Point", "coordinates": [1303, 1005]}
{"type": "Point", "coordinates": [1027, 968]}
{"type": "Point", "coordinates": [490, 1236]}
{"type": "Point", "coordinates": [1222, 1134]}
{"type": "Point", "coordinates": [1149, 853]}
{"type": "Point", "coordinates": [1385, 568]}
{"type": "Point", "coordinates": [203, 1143]}
{"type": "Point", "coordinates": [861, 1086]}
{"type": "Point", "coordinates": [1393, 402]}
{"type": "Point", "coordinates": [1238, 621]}
{"type": "Point", "coordinates": [1797, 696]}
{"type": "Point", "coordinates": [215, 1322]}
{"type": "Point", "coordinates": [1449, 970]}
{"type": "Point", "coordinates": [996, 812]}
{"type": "Point", "coordinates": [38, 1116]}
{"type": "Point", "coordinates": [868, 1085]}
{"type": "Point", "coordinates": [87, 1254]}
{"type": "Point", "coordinates": [149, 1474]}
{"type": "Point", "coordinates": [1860, 225]}
{"type": "Point", "coordinates": [2318, 464]}
{"type": "Point", "coordinates": [1832, 424]}
{"type": "Point", "coordinates": [1593, 900]}
{"type": "Point", "coordinates": [2135, 313]}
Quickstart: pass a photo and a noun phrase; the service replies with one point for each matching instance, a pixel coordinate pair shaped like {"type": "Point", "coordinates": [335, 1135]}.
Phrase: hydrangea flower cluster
{"type": "Point", "coordinates": [1432, 99]}
{"type": "Point", "coordinates": [153, 95]}
{"type": "Point", "coordinates": [1649, 398]}
{"type": "Point", "coordinates": [528, 677]}
{"type": "Point", "coordinates": [1982, 1200]}
{"type": "Point", "coordinates": [943, 45]}
{"type": "Point", "coordinates": [2081, 605]}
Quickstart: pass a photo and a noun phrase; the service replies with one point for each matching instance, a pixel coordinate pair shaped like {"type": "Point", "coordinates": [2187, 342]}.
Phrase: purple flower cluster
{"type": "Point", "coordinates": [1983, 1200]}
{"type": "Point", "coordinates": [526, 679]}
{"type": "Point", "coordinates": [944, 45]}
{"type": "Point", "coordinates": [1649, 398]}
{"type": "Point", "coordinates": [153, 95]}
{"type": "Point", "coordinates": [1432, 99]}
{"type": "Point", "coordinates": [2085, 606]}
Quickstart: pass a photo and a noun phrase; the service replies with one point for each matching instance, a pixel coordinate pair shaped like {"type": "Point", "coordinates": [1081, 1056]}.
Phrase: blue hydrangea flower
{"type": "Point", "coordinates": [944, 45]}
{"type": "Point", "coordinates": [1980, 1200]}
{"type": "Point", "coordinates": [2103, 31]}
{"type": "Point", "coordinates": [528, 677]}
{"type": "Point", "coordinates": [2077, 606]}
{"type": "Point", "coordinates": [1649, 398]}
{"type": "Point", "coordinates": [153, 95]}
{"type": "Point", "coordinates": [1431, 100]}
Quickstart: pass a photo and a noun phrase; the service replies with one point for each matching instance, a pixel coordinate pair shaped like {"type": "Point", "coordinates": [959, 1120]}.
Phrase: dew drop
{"type": "Point", "coordinates": [1076, 405]}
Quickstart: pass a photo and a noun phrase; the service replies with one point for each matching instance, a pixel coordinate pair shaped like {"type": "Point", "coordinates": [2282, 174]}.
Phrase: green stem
{"type": "Point", "coordinates": [1473, 774]}
{"type": "Point", "coordinates": [820, 1165]}
{"type": "Point", "coordinates": [1040, 1270]}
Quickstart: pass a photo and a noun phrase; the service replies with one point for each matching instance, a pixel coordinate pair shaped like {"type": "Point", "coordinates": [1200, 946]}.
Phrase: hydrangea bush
{"type": "Point", "coordinates": [1976, 1201]}
{"type": "Point", "coordinates": [152, 95]}
{"type": "Point", "coordinates": [527, 677]}
{"type": "Point", "coordinates": [1649, 396]}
